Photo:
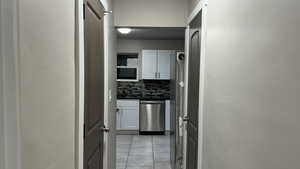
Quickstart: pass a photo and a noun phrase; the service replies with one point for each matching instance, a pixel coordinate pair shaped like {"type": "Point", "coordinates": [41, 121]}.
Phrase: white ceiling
{"type": "Point", "coordinates": [154, 34]}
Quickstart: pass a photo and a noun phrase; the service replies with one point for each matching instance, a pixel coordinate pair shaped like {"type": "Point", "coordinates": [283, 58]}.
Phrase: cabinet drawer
{"type": "Point", "coordinates": [128, 103]}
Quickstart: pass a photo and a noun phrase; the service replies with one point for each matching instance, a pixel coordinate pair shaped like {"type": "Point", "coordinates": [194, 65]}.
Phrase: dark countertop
{"type": "Point", "coordinates": [145, 98]}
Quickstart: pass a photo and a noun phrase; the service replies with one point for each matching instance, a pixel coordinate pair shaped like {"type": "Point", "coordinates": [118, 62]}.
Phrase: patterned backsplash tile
{"type": "Point", "coordinates": [145, 89]}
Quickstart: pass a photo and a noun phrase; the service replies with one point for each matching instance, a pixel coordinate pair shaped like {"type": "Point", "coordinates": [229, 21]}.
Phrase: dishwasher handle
{"type": "Point", "coordinates": [152, 102]}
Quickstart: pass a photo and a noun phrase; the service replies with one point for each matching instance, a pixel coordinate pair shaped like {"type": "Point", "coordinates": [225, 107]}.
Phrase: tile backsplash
{"type": "Point", "coordinates": [145, 89]}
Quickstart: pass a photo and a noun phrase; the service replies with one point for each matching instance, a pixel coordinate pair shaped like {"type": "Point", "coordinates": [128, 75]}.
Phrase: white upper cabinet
{"type": "Point", "coordinates": [163, 64]}
{"type": "Point", "coordinates": [149, 64]}
{"type": "Point", "coordinates": [156, 64]}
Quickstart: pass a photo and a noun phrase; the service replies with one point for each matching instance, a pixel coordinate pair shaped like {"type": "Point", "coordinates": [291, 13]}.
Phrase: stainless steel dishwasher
{"type": "Point", "coordinates": [152, 117]}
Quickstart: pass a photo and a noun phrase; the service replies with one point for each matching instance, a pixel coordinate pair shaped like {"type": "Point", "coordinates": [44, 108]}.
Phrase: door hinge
{"type": "Point", "coordinates": [83, 11]}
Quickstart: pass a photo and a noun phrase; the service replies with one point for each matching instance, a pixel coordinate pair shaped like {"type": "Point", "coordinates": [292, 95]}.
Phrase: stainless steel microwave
{"type": "Point", "coordinates": [125, 73]}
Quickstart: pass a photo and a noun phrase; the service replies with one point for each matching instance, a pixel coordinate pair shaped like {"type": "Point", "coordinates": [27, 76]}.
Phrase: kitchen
{"type": "Point", "coordinates": [145, 68]}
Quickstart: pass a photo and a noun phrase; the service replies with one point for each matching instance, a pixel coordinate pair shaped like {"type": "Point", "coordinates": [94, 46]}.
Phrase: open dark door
{"type": "Point", "coordinates": [94, 85]}
{"type": "Point", "coordinates": [193, 93]}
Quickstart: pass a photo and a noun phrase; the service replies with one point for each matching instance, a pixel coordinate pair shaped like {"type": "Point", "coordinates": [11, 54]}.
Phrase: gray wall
{"type": "Point", "coordinates": [192, 4]}
{"type": "Point", "coordinates": [252, 85]}
{"type": "Point", "coordinates": [47, 84]}
{"type": "Point", "coordinates": [2, 153]}
{"type": "Point", "coordinates": [10, 129]}
{"type": "Point", "coordinates": [136, 46]}
{"type": "Point", "coordinates": [151, 13]}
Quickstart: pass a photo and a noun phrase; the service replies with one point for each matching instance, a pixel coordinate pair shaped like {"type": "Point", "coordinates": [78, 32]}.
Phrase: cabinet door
{"type": "Point", "coordinates": [149, 64]}
{"type": "Point", "coordinates": [164, 61]}
{"type": "Point", "coordinates": [128, 115]}
{"type": "Point", "coordinates": [130, 118]}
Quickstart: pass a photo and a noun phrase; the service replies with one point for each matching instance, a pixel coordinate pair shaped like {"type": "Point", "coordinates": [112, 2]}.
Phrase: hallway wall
{"type": "Point", "coordinates": [151, 13]}
{"type": "Point", "coordinates": [9, 102]}
{"type": "Point", "coordinates": [192, 4]}
{"type": "Point", "coordinates": [47, 84]}
{"type": "Point", "coordinates": [252, 85]}
{"type": "Point", "coordinates": [2, 136]}
{"type": "Point", "coordinates": [136, 46]}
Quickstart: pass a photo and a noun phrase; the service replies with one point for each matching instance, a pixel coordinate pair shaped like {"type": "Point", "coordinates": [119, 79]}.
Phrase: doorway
{"type": "Point", "coordinates": [141, 65]}
{"type": "Point", "coordinates": [146, 83]}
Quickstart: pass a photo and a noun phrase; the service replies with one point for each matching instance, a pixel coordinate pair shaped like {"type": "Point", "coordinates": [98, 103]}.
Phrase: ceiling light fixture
{"type": "Point", "coordinates": [124, 30]}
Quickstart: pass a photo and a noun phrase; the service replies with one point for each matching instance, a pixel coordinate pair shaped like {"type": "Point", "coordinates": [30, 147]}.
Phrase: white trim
{"type": "Point", "coordinates": [186, 66]}
{"type": "Point", "coordinates": [196, 10]}
{"type": "Point", "coordinates": [104, 3]}
{"type": "Point", "coordinates": [201, 7]}
{"type": "Point", "coordinates": [79, 65]}
{"type": "Point", "coordinates": [10, 84]}
{"type": "Point", "coordinates": [127, 80]}
{"type": "Point", "coordinates": [109, 156]}
{"type": "Point", "coordinates": [106, 93]}
{"type": "Point", "coordinates": [202, 89]}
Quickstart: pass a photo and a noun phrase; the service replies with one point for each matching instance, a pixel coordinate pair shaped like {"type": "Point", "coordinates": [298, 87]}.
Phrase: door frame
{"type": "Point", "coordinates": [79, 84]}
{"type": "Point", "coordinates": [186, 80]}
{"type": "Point", "coordinates": [10, 130]}
{"type": "Point", "coordinates": [200, 7]}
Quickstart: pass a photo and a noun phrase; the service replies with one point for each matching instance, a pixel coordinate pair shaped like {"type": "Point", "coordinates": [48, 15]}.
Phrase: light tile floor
{"type": "Point", "coordinates": [143, 152]}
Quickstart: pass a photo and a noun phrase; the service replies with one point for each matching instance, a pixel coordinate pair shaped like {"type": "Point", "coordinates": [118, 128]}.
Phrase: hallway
{"type": "Point", "coordinates": [75, 74]}
{"type": "Point", "coordinates": [143, 152]}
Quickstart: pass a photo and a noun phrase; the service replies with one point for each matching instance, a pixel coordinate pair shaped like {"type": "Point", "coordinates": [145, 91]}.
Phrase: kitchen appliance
{"type": "Point", "coordinates": [125, 73]}
{"type": "Point", "coordinates": [127, 67]}
{"type": "Point", "coordinates": [152, 117]}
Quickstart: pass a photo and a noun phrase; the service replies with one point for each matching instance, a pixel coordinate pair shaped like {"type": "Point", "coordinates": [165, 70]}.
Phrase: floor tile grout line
{"type": "Point", "coordinates": [153, 152]}
{"type": "Point", "coordinates": [131, 142]}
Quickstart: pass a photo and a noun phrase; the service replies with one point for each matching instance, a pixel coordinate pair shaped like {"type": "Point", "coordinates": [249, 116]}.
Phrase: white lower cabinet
{"type": "Point", "coordinates": [128, 115]}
